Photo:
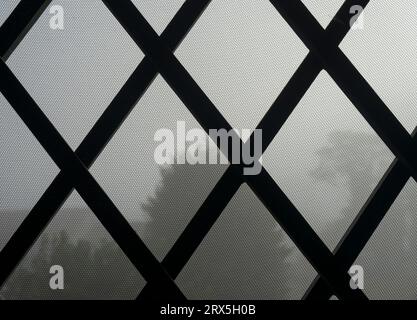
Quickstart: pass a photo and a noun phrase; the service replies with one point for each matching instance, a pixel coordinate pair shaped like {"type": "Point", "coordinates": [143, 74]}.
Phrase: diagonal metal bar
{"type": "Point", "coordinates": [272, 122]}
{"type": "Point", "coordinates": [199, 226]}
{"type": "Point", "coordinates": [199, 104]}
{"type": "Point", "coordinates": [351, 82]}
{"type": "Point", "coordinates": [304, 76]}
{"type": "Point", "coordinates": [302, 234]}
{"type": "Point", "coordinates": [95, 141]}
{"type": "Point", "coordinates": [133, 21]}
{"type": "Point", "coordinates": [394, 180]}
{"type": "Point", "coordinates": [20, 21]}
{"type": "Point", "coordinates": [91, 192]}
{"type": "Point", "coordinates": [278, 129]}
{"type": "Point", "coordinates": [365, 224]}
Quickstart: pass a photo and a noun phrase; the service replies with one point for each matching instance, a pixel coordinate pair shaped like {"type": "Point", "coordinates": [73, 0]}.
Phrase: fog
{"type": "Point", "coordinates": [241, 53]}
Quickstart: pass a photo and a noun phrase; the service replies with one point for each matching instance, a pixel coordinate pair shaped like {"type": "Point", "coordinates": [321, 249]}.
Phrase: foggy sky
{"type": "Point", "coordinates": [241, 53]}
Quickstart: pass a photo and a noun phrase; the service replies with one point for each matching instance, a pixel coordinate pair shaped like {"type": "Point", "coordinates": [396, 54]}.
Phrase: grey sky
{"type": "Point", "coordinates": [241, 53]}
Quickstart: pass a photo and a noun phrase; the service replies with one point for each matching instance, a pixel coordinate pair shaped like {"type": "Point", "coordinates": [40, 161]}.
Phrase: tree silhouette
{"type": "Point", "coordinates": [358, 160]}
{"type": "Point", "coordinates": [102, 272]}
{"type": "Point", "coordinates": [353, 158]}
{"type": "Point", "coordinates": [242, 257]}
{"type": "Point", "coordinates": [245, 259]}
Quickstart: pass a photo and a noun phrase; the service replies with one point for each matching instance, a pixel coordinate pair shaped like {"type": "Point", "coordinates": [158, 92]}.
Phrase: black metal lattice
{"type": "Point", "coordinates": [324, 54]}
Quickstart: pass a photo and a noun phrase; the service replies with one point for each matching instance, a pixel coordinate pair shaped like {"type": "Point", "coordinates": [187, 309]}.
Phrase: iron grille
{"type": "Point", "coordinates": [325, 53]}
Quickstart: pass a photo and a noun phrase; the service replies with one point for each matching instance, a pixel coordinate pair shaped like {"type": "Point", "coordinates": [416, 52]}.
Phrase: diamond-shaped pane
{"type": "Point", "coordinates": [158, 12]}
{"type": "Point", "coordinates": [163, 196]}
{"type": "Point", "coordinates": [323, 10]}
{"type": "Point", "coordinates": [385, 53]}
{"type": "Point", "coordinates": [327, 159]}
{"type": "Point", "coordinates": [246, 255]}
{"type": "Point", "coordinates": [241, 53]}
{"type": "Point", "coordinates": [73, 74]}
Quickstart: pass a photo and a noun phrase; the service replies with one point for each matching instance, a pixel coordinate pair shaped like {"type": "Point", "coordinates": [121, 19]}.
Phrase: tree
{"type": "Point", "coordinates": [359, 160]}
{"type": "Point", "coordinates": [100, 272]}
{"type": "Point", "coordinates": [246, 258]}
{"type": "Point", "coordinates": [243, 256]}
{"type": "Point", "coordinates": [355, 159]}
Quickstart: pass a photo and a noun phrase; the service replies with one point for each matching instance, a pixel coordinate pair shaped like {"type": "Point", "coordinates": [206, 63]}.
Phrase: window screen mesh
{"type": "Point", "coordinates": [333, 165]}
